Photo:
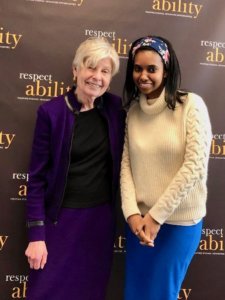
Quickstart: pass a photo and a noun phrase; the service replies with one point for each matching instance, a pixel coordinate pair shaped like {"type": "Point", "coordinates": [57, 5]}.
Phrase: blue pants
{"type": "Point", "coordinates": [157, 273]}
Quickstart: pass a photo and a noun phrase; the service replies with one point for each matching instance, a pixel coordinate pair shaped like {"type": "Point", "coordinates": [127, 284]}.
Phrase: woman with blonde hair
{"type": "Point", "coordinates": [74, 170]}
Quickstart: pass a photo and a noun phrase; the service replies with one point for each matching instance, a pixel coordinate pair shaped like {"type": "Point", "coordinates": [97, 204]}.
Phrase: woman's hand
{"type": "Point", "coordinates": [150, 228]}
{"type": "Point", "coordinates": [37, 253]}
{"type": "Point", "coordinates": [136, 223]}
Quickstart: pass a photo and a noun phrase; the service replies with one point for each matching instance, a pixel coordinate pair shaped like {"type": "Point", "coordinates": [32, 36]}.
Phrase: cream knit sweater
{"type": "Point", "coordinates": [165, 160]}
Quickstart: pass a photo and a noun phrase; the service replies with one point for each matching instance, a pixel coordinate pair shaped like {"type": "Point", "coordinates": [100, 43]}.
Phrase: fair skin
{"type": "Point", "coordinates": [37, 253]}
{"type": "Point", "coordinates": [148, 76]}
{"type": "Point", "coordinates": [92, 82]}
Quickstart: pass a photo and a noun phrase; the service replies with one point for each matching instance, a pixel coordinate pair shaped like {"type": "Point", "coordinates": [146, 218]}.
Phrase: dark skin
{"type": "Point", "coordinates": [145, 228]}
{"type": "Point", "coordinates": [149, 74]}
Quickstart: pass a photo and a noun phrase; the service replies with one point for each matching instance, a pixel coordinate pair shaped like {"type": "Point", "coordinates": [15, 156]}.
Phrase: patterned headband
{"type": "Point", "coordinates": [155, 43]}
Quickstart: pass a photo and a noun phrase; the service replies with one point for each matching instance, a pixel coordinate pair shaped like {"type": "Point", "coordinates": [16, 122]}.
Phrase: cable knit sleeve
{"type": "Point", "coordinates": [128, 196]}
{"type": "Point", "coordinates": [195, 165]}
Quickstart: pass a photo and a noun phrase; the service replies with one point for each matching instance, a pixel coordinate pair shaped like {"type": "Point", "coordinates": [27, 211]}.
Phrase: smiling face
{"type": "Point", "coordinates": [93, 81]}
{"type": "Point", "coordinates": [148, 73]}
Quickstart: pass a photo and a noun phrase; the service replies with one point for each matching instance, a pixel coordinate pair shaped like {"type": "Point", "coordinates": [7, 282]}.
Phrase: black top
{"type": "Point", "coordinates": [89, 176]}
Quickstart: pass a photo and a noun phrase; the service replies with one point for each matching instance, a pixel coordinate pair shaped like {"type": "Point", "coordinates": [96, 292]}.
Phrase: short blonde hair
{"type": "Point", "coordinates": [92, 50]}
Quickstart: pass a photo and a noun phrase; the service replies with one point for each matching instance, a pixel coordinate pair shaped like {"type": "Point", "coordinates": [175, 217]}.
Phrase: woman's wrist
{"type": "Point", "coordinates": [154, 220]}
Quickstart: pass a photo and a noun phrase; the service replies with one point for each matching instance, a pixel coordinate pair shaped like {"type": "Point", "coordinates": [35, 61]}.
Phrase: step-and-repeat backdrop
{"type": "Point", "coordinates": [38, 39]}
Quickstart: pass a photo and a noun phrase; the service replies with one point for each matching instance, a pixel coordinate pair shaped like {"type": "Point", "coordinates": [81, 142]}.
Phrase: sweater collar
{"type": "Point", "coordinates": [153, 106]}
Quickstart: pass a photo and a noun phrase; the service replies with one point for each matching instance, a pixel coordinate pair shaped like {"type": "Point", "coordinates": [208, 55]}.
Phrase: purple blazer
{"type": "Point", "coordinates": [50, 156]}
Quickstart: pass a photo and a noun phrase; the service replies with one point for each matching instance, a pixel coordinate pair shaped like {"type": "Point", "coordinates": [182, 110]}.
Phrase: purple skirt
{"type": "Point", "coordinates": [80, 251]}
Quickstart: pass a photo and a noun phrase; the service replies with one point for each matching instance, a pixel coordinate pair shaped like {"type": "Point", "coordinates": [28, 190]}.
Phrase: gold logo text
{"type": "Point", "coordinates": [3, 239]}
{"type": "Point", "coordinates": [179, 7]}
{"type": "Point", "coordinates": [9, 40]}
{"type": "Point", "coordinates": [19, 292]}
{"type": "Point", "coordinates": [6, 139]}
{"type": "Point", "coordinates": [184, 294]}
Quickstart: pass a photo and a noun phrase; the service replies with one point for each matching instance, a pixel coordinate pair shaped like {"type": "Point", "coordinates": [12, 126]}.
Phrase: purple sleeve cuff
{"type": "Point", "coordinates": [36, 233]}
